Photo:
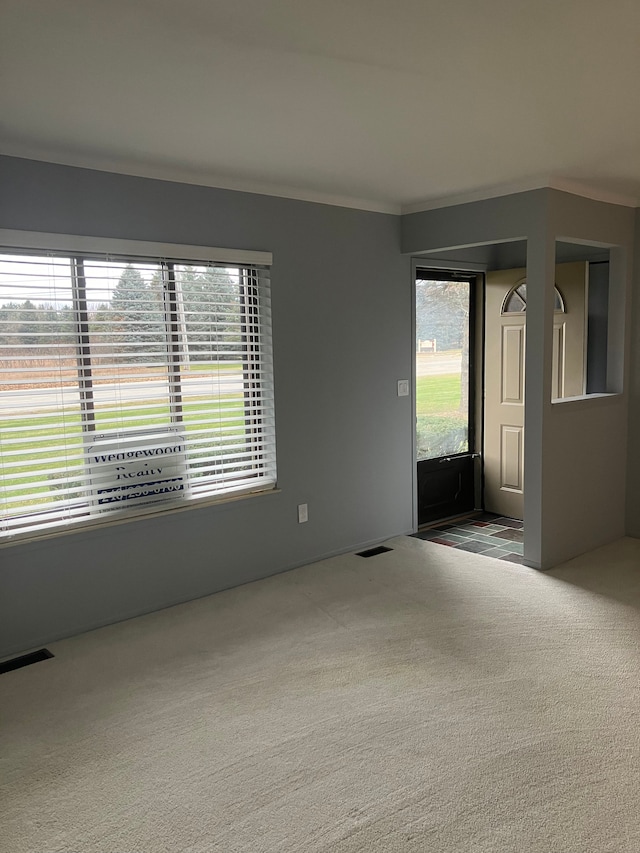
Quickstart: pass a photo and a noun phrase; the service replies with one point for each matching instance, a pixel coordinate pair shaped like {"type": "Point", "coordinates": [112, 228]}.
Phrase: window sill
{"type": "Point", "coordinates": [43, 537]}
{"type": "Point", "coordinates": [587, 401]}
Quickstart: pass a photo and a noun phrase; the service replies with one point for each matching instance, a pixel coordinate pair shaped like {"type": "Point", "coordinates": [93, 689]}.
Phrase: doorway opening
{"type": "Point", "coordinates": [585, 361]}
{"type": "Point", "coordinates": [445, 393]}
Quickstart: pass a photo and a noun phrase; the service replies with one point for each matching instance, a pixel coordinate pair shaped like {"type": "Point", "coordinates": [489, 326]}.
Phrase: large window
{"type": "Point", "coordinates": [130, 384]}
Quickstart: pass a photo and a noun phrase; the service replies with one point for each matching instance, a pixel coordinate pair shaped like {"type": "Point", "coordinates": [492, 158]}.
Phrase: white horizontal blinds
{"type": "Point", "coordinates": [227, 429]}
{"type": "Point", "coordinates": [41, 445]}
{"type": "Point", "coordinates": [126, 407]}
{"type": "Point", "coordinates": [258, 368]}
{"type": "Point", "coordinates": [127, 361]}
{"type": "Point", "coordinates": [126, 382]}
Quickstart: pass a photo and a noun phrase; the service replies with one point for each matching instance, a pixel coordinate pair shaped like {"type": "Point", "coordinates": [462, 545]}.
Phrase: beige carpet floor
{"type": "Point", "coordinates": [419, 700]}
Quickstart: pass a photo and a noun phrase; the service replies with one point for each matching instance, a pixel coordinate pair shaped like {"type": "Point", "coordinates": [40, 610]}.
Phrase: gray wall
{"type": "Point", "coordinates": [341, 298]}
{"type": "Point", "coordinates": [584, 464]}
{"type": "Point", "coordinates": [493, 256]}
{"type": "Point", "coordinates": [493, 220]}
{"type": "Point", "coordinates": [633, 460]}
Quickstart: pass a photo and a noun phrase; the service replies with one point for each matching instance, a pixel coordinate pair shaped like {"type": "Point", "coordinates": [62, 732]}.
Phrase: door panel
{"type": "Point", "coordinates": [505, 335]}
{"type": "Point", "coordinates": [512, 364]}
{"type": "Point", "coordinates": [504, 397]}
{"type": "Point", "coordinates": [445, 487]}
{"type": "Point", "coordinates": [511, 452]}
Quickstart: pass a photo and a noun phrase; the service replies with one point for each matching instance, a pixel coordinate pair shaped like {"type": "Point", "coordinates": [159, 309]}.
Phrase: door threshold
{"type": "Point", "coordinates": [451, 519]}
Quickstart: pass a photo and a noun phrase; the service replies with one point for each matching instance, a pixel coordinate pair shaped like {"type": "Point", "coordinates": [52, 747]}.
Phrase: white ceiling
{"type": "Point", "coordinates": [384, 104]}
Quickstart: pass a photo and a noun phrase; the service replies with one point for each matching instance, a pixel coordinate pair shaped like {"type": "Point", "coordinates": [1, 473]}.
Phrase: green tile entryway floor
{"type": "Point", "coordinates": [484, 533]}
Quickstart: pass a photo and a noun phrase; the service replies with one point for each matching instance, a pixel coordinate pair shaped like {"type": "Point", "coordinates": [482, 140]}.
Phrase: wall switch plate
{"type": "Point", "coordinates": [403, 387]}
{"type": "Point", "coordinates": [303, 513]}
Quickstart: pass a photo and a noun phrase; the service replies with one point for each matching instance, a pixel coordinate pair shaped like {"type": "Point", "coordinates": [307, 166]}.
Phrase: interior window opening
{"type": "Point", "coordinates": [581, 336]}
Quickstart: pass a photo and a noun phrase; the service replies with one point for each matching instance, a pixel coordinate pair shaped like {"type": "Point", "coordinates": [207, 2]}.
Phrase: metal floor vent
{"type": "Point", "coordinates": [372, 552]}
{"type": "Point", "coordinates": [24, 660]}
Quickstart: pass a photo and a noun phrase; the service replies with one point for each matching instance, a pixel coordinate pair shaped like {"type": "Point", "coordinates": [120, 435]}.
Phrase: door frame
{"type": "Point", "coordinates": [476, 369]}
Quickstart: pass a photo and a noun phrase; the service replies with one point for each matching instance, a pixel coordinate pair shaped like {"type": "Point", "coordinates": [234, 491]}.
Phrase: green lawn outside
{"type": "Point", "coordinates": [43, 432]}
{"type": "Point", "coordinates": [215, 366]}
{"type": "Point", "coordinates": [441, 427]}
{"type": "Point", "coordinates": [438, 394]}
{"type": "Point", "coordinates": [437, 410]}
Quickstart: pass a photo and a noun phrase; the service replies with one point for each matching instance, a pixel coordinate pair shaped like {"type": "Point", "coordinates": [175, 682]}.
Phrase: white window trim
{"type": "Point", "coordinates": [106, 246]}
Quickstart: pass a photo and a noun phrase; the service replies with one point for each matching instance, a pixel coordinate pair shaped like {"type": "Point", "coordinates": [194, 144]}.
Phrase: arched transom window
{"type": "Point", "coordinates": [515, 301]}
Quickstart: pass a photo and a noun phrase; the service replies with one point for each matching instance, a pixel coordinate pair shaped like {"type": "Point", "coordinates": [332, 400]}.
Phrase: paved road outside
{"type": "Point", "coordinates": [438, 363]}
{"type": "Point", "coordinates": [128, 392]}
{"type": "Point", "coordinates": [427, 364]}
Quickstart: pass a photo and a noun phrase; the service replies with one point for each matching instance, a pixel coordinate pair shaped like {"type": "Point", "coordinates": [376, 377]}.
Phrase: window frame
{"type": "Point", "coordinates": [166, 255]}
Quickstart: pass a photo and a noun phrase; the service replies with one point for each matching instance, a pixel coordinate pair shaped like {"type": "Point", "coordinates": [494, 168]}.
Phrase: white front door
{"type": "Point", "coordinates": [505, 335]}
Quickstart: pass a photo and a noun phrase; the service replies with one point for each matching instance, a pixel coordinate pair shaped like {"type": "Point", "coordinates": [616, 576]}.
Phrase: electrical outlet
{"type": "Point", "coordinates": [303, 513]}
{"type": "Point", "coordinates": [403, 387]}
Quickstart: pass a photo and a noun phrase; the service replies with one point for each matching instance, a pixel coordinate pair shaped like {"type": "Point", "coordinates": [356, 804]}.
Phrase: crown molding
{"type": "Point", "coordinates": [176, 174]}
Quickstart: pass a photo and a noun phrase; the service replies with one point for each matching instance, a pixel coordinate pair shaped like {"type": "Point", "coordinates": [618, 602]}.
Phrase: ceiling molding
{"type": "Point", "coordinates": [202, 179]}
{"type": "Point", "coordinates": [180, 175]}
